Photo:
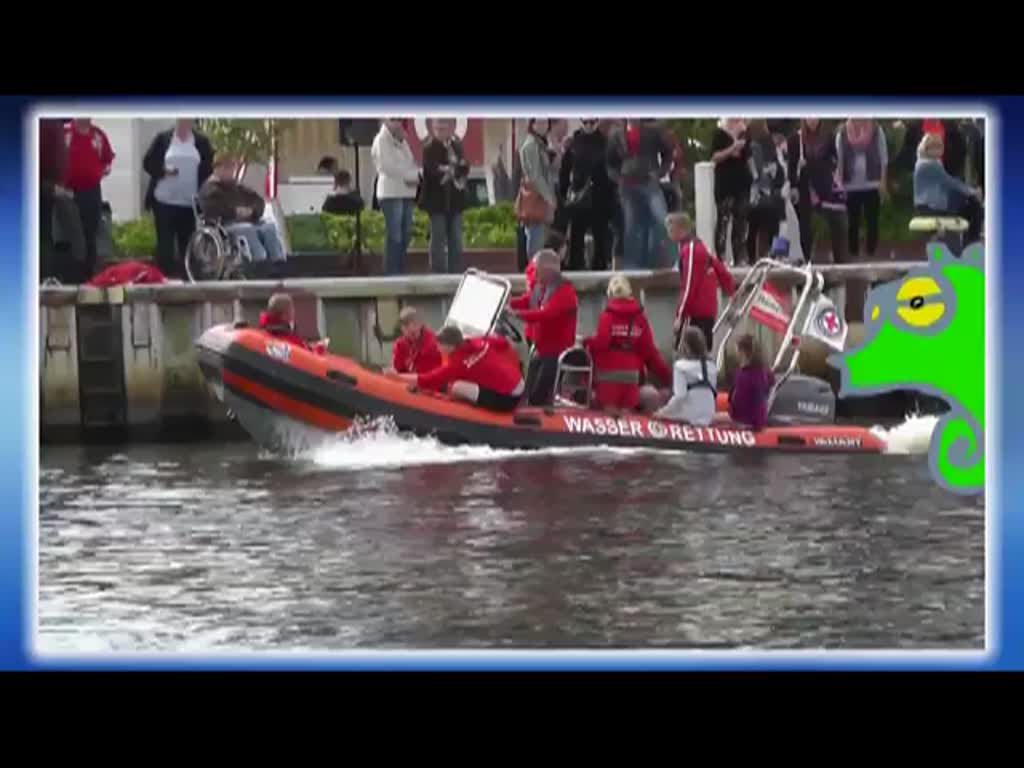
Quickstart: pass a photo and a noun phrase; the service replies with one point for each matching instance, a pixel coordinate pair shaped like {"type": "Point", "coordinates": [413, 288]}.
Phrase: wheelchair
{"type": "Point", "coordinates": [213, 253]}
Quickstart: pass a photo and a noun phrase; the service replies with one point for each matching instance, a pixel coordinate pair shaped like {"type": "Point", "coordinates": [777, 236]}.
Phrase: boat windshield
{"type": "Point", "coordinates": [478, 303]}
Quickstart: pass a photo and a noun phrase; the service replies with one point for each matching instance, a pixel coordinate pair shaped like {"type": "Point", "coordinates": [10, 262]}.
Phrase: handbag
{"type": "Point", "coordinates": [577, 200]}
{"type": "Point", "coordinates": [531, 207]}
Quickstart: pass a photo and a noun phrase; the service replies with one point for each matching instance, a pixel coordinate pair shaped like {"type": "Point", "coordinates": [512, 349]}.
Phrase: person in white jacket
{"type": "Point", "coordinates": [693, 383]}
{"type": "Point", "coordinates": [397, 180]}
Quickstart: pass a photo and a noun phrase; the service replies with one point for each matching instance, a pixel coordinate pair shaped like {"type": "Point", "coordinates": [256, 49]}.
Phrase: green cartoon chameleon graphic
{"type": "Point", "coordinates": [926, 332]}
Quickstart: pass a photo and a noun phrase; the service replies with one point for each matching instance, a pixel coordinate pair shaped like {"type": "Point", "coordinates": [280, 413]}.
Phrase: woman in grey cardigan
{"type": "Point", "coordinates": [863, 161]}
{"type": "Point", "coordinates": [536, 164]}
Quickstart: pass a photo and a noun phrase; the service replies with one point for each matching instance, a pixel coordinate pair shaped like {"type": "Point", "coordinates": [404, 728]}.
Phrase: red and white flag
{"type": "Point", "coordinates": [772, 308]}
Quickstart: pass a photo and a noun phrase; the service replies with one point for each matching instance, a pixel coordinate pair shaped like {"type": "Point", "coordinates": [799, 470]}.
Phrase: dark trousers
{"type": "Point", "coordinates": [837, 229]}
{"type": "Point", "coordinates": [762, 226]}
{"type": "Point", "coordinates": [47, 246]}
{"type": "Point", "coordinates": [522, 258]}
{"type": "Point", "coordinates": [974, 212]}
{"type": "Point", "coordinates": [175, 225]}
{"type": "Point", "coordinates": [597, 222]}
{"type": "Point", "coordinates": [864, 203]}
{"type": "Point", "coordinates": [90, 204]}
{"type": "Point", "coordinates": [705, 325]}
{"type": "Point", "coordinates": [617, 226]}
{"type": "Point", "coordinates": [735, 209]}
{"type": "Point", "coordinates": [540, 380]}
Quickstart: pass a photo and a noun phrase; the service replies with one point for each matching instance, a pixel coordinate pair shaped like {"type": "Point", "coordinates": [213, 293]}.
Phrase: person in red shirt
{"type": "Point", "coordinates": [57, 202]}
{"type": "Point", "coordinates": [478, 371]}
{"type": "Point", "coordinates": [416, 350]}
{"type": "Point", "coordinates": [89, 160]}
{"type": "Point", "coordinates": [622, 348]}
{"type": "Point", "coordinates": [556, 242]}
{"type": "Point", "coordinates": [279, 321]}
{"type": "Point", "coordinates": [701, 273]}
{"type": "Point", "coordinates": [551, 308]}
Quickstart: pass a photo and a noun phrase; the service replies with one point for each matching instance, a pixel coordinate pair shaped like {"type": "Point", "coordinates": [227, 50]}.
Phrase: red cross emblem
{"type": "Point", "coordinates": [830, 322]}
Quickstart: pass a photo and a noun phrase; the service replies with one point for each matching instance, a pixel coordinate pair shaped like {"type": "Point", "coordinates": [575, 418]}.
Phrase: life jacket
{"type": "Point", "coordinates": [704, 382]}
{"type": "Point", "coordinates": [274, 324]}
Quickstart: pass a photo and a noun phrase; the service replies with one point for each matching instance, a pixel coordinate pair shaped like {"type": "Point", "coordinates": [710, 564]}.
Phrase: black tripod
{"type": "Point", "coordinates": [356, 252]}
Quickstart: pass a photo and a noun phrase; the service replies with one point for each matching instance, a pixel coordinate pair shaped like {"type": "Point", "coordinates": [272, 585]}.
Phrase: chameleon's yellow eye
{"type": "Point", "coordinates": [920, 302]}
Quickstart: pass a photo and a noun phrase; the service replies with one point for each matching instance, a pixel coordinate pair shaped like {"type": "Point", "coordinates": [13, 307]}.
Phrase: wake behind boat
{"type": "Point", "coordinates": [276, 388]}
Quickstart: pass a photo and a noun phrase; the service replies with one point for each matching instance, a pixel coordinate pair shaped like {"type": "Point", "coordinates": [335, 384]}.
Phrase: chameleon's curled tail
{"type": "Point", "coordinates": [957, 454]}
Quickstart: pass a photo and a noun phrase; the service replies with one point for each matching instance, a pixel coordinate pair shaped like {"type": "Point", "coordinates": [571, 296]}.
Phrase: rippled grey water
{"type": "Point", "coordinates": [214, 547]}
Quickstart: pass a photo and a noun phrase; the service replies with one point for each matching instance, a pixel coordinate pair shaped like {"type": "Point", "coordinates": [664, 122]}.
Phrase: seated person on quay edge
{"type": "Point", "coordinates": [478, 371]}
{"type": "Point", "coordinates": [416, 350]}
{"type": "Point", "coordinates": [343, 200]}
{"type": "Point", "coordinates": [622, 348]}
{"type": "Point", "coordinates": [279, 321]}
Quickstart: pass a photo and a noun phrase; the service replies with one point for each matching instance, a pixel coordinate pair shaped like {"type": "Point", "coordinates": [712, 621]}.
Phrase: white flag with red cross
{"type": "Point", "coordinates": [826, 323]}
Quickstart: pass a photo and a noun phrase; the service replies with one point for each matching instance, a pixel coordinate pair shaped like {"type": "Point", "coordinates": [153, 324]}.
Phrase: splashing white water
{"type": "Point", "coordinates": [379, 445]}
{"type": "Point", "coordinates": [913, 436]}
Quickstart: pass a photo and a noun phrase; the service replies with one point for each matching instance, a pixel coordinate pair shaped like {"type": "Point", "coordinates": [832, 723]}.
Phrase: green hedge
{"type": "Point", "coordinates": [490, 227]}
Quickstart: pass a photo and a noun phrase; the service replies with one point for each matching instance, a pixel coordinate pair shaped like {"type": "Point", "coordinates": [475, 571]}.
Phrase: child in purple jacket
{"type": "Point", "coordinates": [748, 401]}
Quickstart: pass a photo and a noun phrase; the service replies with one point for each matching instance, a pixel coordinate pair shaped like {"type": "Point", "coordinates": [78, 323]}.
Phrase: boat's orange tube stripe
{"type": "Point", "coordinates": [300, 411]}
{"type": "Point", "coordinates": [395, 392]}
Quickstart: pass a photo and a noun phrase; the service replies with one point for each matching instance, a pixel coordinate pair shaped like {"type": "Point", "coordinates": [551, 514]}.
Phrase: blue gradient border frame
{"type": "Point", "coordinates": [19, 450]}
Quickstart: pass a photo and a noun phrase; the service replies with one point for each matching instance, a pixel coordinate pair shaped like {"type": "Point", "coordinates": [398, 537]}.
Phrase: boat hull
{"type": "Point", "coordinates": [327, 393]}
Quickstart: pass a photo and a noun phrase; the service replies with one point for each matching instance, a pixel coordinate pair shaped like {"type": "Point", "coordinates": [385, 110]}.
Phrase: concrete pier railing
{"type": "Point", "coordinates": [124, 357]}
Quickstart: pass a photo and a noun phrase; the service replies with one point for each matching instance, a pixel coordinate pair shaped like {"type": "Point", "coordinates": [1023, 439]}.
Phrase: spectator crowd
{"type": "Point", "coordinates": [605, 189]}
{"type": "Point", "coordinates": [188, 181]}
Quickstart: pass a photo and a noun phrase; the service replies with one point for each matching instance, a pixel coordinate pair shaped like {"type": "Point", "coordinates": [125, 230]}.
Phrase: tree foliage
{"type": "Point", "coordinates": [250, 140]}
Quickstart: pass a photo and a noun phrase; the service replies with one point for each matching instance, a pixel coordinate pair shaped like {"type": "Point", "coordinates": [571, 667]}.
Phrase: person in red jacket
{"type": "Point", "coordinates": [622, 348]}
{"type": "Point", "coordinates": [556, 242]}
{"type": "Point", "coordinates": [478, 371]}
{"type": "Point", "coordinates": [89, 160]}
{"type": "Point", "coordinates": [700, 273]}
{"type": "Point", "coordinates": [552, 309]}
{"type": "Point", "coordinates": [416, 350]}
{"type": "Point", "coordinates": [279, 321]}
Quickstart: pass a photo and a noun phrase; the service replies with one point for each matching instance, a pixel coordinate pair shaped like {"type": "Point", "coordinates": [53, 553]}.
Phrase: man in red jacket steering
{"type": "Point", "coordinates": [551, 309]}
{"type": "Point", "coordinates": [478, 371]}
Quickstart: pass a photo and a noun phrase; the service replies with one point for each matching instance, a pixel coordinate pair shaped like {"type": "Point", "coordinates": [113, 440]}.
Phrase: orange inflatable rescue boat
{"type": "Point", "coordinates": [274, 387]}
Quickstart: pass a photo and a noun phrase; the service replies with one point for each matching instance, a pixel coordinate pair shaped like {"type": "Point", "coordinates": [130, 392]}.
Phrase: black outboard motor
{"type": "Point", "coordinates": [803, 400]}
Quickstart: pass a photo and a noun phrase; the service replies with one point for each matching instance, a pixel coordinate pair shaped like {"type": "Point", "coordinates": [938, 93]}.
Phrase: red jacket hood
{"type": "Point", "coordinates": [625, 307]}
